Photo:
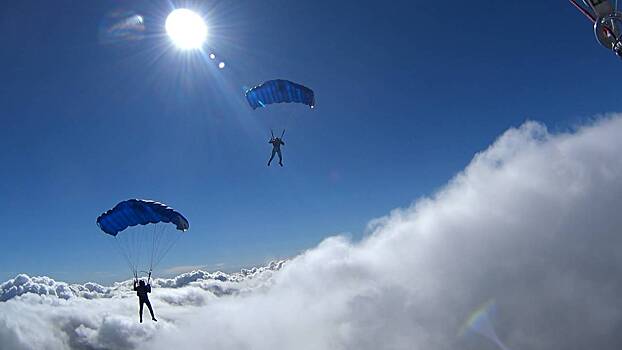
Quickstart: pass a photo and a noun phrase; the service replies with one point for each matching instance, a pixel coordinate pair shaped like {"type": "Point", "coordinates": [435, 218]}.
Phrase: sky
{"type": "Point", "coordinates": [458, 185]}
{"type": "Point", "coordinates": [406, 95]}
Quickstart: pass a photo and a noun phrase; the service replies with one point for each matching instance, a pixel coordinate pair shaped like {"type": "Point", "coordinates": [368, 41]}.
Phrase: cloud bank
{"type": "Point", "coordinates": [533, 222]}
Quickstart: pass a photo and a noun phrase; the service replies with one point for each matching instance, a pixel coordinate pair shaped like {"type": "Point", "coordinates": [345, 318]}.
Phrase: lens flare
{"type": "Point", "coordinates": [186, 29]}
{"type": "Point", "coordinates": [121, 26]}
{"type": "Point", "coordinates": [479, 322]}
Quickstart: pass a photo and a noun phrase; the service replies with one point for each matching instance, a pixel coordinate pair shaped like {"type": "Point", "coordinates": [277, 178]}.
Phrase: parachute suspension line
{"type": "Point", "coordinates": [153, 245]}
{"type": "Point", "coordinates": [585, 12]}
{"type": "Point", "coordinates": [129, 243]}
{"type": "Point", "coordinates": [156, 244]}
{"type": "Point", "coordinates": [128, 215]}
{"type": "Point", "coordinates": [161, 245]}
{"type": "Point", "coordinates": [162, 240]}
{"type": "Point", "coordinates": [157, 238]}
{"type": "Point", "coordinates": [125, 255]}
{"type": "Point", "coordinates": [126, 242]}
{"type": "Point", "coordinates": [140, 240]}
{"type": "Point", "coordinates": [164, 245]}
{"type": "Point", "coordinates": [170, 245]}
{"type": "Point", "coordinates": [130, 252]}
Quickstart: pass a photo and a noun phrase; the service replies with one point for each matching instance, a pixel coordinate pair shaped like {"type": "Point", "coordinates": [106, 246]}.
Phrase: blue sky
{"type": "Point", "coordinates": [406, 93]}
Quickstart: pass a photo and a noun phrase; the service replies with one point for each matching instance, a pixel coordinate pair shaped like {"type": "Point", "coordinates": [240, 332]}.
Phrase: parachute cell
{"type": "Point", "coordinates": [279, 91]}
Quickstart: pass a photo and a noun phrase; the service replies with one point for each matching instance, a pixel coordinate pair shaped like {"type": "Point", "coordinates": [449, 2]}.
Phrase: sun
{"type": "Point", "coordinates": [186, 29]}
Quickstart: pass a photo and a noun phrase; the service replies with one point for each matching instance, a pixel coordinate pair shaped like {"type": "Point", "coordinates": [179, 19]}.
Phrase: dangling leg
{"type": "Point", "coordinates": [140, 311]}
{"type": "Point", "coordinates": [272, 156]}
{"type": "Point", "coordinates": [280, 158]}
{"type": "Point", "coordinates": [150, 309]}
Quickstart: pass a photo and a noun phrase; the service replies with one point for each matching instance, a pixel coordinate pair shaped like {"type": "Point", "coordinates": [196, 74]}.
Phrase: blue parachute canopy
{"type": "Point", "coordinates": [279, 91]}
{"type": "Point", "coordinates": [134, 212]}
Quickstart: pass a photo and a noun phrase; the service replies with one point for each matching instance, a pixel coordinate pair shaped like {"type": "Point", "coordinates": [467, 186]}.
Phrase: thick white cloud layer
{"type": "Point", "coordinates": [532, 222]}
{"type": "Point", "coordinates": [41, 313]}
{"type": "Point", "coordinates": [219, 283]}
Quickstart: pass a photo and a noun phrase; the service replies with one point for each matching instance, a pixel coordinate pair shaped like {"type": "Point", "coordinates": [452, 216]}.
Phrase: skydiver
{"type": "Point", "coordinates": [606, 19]}
{"type": "Point", "coordinates": [141, 291]}
{"type": "Point", "coordinates": [276, 149]}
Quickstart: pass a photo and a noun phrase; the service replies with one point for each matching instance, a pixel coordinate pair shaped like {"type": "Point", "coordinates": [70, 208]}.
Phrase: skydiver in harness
{"type": "Point", "coordinates": [607, 22]}
{"type": "Point", "coordinates": [276, 142]}
{"type": "Point", "coordinates": [141, 291]}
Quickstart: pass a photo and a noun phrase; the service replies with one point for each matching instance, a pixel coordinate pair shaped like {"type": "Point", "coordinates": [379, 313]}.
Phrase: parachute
{"type": "Point", "coordinates": [279, 91]}
{"type": "Point", "coordinates": [142, 247]}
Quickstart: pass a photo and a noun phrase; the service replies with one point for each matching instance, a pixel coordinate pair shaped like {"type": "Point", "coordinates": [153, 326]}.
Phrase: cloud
{"type": "Point", "coordinates": [178, 270]}
{"type": "Point", "coordinates": [41, 313]}
{"type": "Point", "coordinates": [533, 222]}
{"type": "Point", "coordinates": [218, 283]}
{"type": "Point", "coordinates": [23, 284]}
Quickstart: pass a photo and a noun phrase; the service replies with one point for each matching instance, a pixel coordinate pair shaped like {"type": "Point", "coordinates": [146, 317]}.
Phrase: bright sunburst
{"type": "Point", "coordinates": [186, 29]}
